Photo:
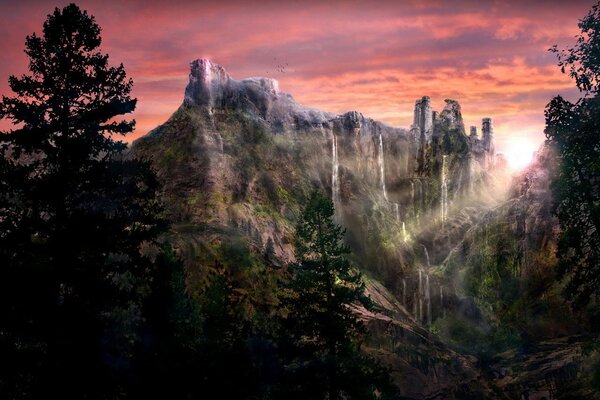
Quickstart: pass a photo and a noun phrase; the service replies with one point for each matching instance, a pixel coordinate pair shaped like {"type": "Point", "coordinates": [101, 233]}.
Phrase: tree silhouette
{"type": "Point", "coordinates": [75, 219]}
{"type": "Point", "coordinates": [324, 359]}
{"type": "Point", "coordinates": [572, 129]}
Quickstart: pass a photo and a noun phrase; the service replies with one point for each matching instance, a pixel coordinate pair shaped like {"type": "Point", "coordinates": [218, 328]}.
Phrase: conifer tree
{"type": "Point", "coordinates": [324, 358]}
{"type": "Point", "coordinates": [75, 216]}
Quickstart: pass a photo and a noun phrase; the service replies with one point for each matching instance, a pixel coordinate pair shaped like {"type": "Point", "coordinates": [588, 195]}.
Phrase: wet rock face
{"type": "Point", "coordinates": [234, 140]}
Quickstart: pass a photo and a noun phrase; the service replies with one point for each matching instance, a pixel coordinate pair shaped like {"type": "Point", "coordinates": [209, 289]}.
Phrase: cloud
{"type": "Point", "coordinates": [340, 55]}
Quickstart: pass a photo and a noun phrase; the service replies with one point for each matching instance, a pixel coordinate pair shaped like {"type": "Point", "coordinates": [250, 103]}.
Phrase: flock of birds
{"type": "Point", "coordinates": [280, 67]}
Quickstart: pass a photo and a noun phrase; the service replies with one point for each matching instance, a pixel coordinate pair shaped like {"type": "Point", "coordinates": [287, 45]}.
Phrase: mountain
{"type": "Point", "coordinates": [420, 206]}
{"type": "Point", "coordinates": [236, 152]}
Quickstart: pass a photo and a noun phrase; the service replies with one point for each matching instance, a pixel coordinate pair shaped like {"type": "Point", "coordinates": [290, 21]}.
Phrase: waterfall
{"type": "Point", "coordinates": [404, 292]}
{"type": "Point", "coordinates": [397, 211]}
{"type": "Point", "coordinates": [444, 191]}
{"type": "Point", "coordinates": [404, 237]}
{"type": "Point", "coordinates": [419, 202]}
{"type": "Point", "coordinates": [459, 184]}
{"type": "Point", "coordinates": [426, 254]}
{"type": "Point", "coordinates": [428, 299]}
{"type": "Point", "coordinates": [382, 167]}
{"type": "Point", "coordinates": [335, 181]}
{"type": "Point", "coordinates": [471, 175]}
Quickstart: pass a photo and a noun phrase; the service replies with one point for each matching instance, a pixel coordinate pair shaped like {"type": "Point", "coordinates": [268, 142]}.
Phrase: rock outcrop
{"type": "Point", "coordinates": [238, 158]}
{"type": "Point", "coordinates": [242, 154]}
{"type": "Point", "coordinates": [484, 149]}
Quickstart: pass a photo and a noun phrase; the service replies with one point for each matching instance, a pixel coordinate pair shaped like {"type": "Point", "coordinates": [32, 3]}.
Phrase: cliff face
{"type": "Point", "coordinates": [238, 149]}
{"type": "Point", "coordinates": [239, 157]}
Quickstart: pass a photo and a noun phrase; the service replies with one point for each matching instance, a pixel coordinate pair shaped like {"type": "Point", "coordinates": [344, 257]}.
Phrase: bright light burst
{"type": "Point", "coordinates": [519, 153]}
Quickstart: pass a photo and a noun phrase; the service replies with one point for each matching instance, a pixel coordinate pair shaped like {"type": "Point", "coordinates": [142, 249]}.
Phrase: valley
{"type": "Point", "coordinates": [448, 240]}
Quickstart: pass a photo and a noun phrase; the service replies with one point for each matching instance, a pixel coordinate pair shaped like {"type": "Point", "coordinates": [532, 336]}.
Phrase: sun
{"type": "Point", "coordinates": [519, 153]}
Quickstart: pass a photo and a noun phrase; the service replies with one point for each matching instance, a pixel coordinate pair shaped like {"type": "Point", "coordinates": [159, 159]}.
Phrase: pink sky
{"type": "Point", "coordinates": [373, 57]}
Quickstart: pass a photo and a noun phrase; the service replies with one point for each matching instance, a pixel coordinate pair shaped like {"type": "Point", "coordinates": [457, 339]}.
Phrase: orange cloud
{"type": "Point", "coordinates": [341, 55]}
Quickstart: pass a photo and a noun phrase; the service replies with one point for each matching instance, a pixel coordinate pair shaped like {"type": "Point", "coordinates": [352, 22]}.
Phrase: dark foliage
{"type": "Point", "coordinates": [75, 218]}
{"type": "Point", "coordinates": [323, 358]}
{"type": "Point", "coordinates": [582, 61]}
{"type": "Point", "coordinates": [196, 347]}
{"type": "Point", "coordinates": [572, 128]}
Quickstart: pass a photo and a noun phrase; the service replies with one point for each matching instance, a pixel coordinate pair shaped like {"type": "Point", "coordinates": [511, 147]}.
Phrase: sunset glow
{"type": "Point", "coordinates": [519, 153]}
{"type": "Point", "coordinates": [338, 56]}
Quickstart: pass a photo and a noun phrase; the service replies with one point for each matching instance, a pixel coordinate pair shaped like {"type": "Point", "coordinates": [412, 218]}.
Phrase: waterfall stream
{"type": "Point", "coordinates": [397, 211]}
{"type": "Point", "coordinates": [335, 181]}
{"type": "Point", "coordinates": [426, 253]}
{"type": "Point", "coordinates": [444, 190]}
{"type": "Point", "coordinates": [382, 167]}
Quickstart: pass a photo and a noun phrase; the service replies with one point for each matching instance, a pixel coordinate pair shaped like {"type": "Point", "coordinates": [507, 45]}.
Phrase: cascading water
{"type": "Point", "coordinates": [335, 181]}
{"type": "Point", "coordinates": [426, 253]}
{"type": "Point", "coordinates": [382, 167]}
{"type": "Point", "coordinates": [404, 235]}
{"type": "Point", "coordinates": [459, 184]}
{"type": "Point", "coordinates": [471, 174]}
{"type": "Point", "coordinates": [397, 211]}
{"type": "Point", "coordinates": [419, 199]}
{"type": "Point", "coordinates": [444, 190]}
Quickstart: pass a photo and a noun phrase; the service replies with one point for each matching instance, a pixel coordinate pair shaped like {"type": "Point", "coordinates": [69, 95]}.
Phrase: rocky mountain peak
{"type": "Point", "coordinates": [268, 84]}
{"type": "Point", "coordinates": [210, 85]}
{"type": "Point", "coordinates": [207, 80]}
{"type": "Point", "coordinates": [452, 112]}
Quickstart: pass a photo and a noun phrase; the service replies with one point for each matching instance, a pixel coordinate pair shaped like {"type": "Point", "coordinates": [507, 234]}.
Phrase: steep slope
{"type": "Point", "coordinates": [239, 157]}
{"type": "Point", "coordinates": [505, 265]}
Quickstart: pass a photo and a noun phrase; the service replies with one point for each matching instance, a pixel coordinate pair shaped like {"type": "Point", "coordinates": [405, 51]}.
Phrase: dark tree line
{"type": "Point", "coordinates": [573, 129]}
{"type": "Point", "coordinates": [74, 217]}
{"type": "Point", "coordinates": [92, 305]}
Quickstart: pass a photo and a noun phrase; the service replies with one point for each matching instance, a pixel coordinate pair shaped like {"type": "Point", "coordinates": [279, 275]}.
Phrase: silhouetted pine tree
{"type": "Point", "coordinates": [322, 355]}
{"type": "Point", "coordinates": [74, 219]}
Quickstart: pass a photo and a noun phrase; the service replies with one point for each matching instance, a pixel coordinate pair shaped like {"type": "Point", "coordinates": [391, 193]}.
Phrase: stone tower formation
{"type": "Point", "coordinates": [484, 149]}
{"type": "Point", "coordinates": [422, 131]}
{"type": "Point", "coordinates": [422, 128]}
